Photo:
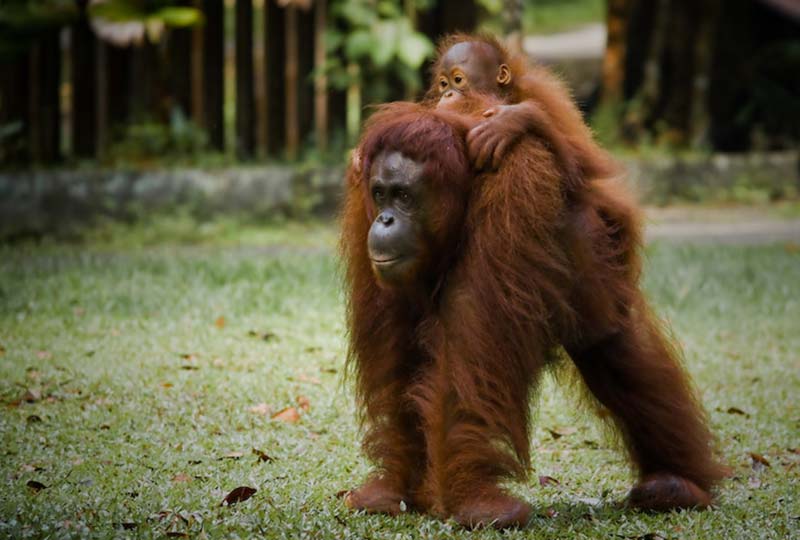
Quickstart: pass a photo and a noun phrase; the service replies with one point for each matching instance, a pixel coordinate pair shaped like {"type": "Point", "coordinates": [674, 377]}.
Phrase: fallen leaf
{"type": "Point", "coordinates": [44, 355]}
{"type": "Point", "coordinates": [792, 247]}
{"type": "Point", "coordinates": [736, 410]}
{"type": "Point", "coordinates": [266, 336]}
{"type": "Point", "coordinates": [548, 481]}
{"type": "Point", "coordinates": [167, 385]}
{"type": "Point", "coordinates": [220, 322]}
{"type": "Point", "coordinates": [2, 350]}
{"type": "Point", "coordinates": [329, 370]}
{"type": "Point", "coordinates": [32, 395]}
{"type": "Point", "coordinates": [263, 456]}
{"type": "Point", "coordinates": [189, 357]}
{"type": "Point", "coordinates": [181, 478]}
{"type": "Point", "coordinates": [289, 415]}
{"type": "Point", "coordinates": [559, 432]}
{"type": "Point", "coordinates": [35, 486]}
{"type": "Point", "coordinates": [759, 460]}
{"type": "Point", "coordinates": [262, 409]}
{"type": "Point", "coordinates": [239, 494]}
{"type": "Point", "coordinates": [303, 402]}
{"type": "Point", "coordinates": [312, 349]}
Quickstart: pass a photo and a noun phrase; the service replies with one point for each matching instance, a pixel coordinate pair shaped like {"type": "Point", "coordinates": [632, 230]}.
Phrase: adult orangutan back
{"type": "Point", "coordinates": [462, 286]}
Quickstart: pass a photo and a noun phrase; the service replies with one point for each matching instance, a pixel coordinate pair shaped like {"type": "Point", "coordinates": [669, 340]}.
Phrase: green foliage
{"type": "Point", "coordinates": [21, 21]}
{"type": "Point", "coordinates": [380, 39]}
{"type": "Point", "coordinates": [147, 11]}
{"type": "Point", "coordinates": [545, 16]}
{"type": "Point", "coordinates": [146, 141]}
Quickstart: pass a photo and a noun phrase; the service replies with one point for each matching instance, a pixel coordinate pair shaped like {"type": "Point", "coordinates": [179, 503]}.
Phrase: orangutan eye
{"type": "Point", "coordinates": [404, 197]}
{"type": "Point", "coordinates": [458, 79]}
{"type": "Point", "coordinates": [377, 194]}
{"type": "Point", "coordinates": [443, 83]}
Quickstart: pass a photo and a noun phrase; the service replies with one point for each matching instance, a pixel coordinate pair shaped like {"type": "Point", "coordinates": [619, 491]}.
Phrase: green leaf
{"type": "Point", "coordinates": [179, 16]}
{"type": "Point", "coordinates": [359, 44]}
{"type": "Point", "coordinates": [385, 36]}
{"type": "Point", "coordinates": [414, 48]}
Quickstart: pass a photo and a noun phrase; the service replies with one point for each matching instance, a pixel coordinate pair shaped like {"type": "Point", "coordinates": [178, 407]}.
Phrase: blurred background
{"type": "Point", "coordinates": [116, 108]}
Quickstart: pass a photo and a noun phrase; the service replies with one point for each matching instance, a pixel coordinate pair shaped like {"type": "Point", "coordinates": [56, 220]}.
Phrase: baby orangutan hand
{"type": "Point", "coordinates": [489, 141]}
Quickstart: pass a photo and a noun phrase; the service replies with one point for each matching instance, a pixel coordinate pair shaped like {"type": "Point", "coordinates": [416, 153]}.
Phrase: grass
{"type": "Point", "coordinates": [134, 382]}
{"type": "Point", "coordinates": [549, 16]}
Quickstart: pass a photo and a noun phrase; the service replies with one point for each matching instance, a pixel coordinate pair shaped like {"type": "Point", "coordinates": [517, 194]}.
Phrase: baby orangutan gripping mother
{"type": "Point", "coordinates": [532, 101]}
{"type": "Point", "coordinates": [462, 287]}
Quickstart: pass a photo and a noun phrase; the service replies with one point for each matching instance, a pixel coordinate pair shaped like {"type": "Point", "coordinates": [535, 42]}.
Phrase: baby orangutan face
{"type": "Point", "coordinates": [471, 66]}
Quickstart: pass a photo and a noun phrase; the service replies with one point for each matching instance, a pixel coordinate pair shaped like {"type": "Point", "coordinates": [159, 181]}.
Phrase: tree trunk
{"type": "Point", "coordinates": [275, 40]}
{"type": "Point", "coordinates": [213, 72]}
{"type": "Point", "coordinates": [45, 113]}
{"type": "Point", "coordinates": [245, 99]}
{"type": "Point", "coordinates": [83, 60]}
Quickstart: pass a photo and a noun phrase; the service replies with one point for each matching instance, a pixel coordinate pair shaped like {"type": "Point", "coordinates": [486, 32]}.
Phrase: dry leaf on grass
{"type": "Point", "coordinates": [239, 494]}
{"type": "Point", "coordinates": [548, 481]}
{"type": "Point", "coordinates": [263, 456]}
{"type": "Point", "coordinates": [559, 432]}
{"type": "Point", "coordinates": [759, 461]}
{"type": "Point", "coordinates": [220, 322]}
{"type": "Point", "coordinates": [289, 415]}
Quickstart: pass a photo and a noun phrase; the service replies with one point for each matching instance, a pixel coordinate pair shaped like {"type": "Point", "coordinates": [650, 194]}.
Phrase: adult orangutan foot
{"type": "Point", "coordinates": [662, 492]}
{"type": "Point", "coordinates": [376, 496]}
{"type": "Point", "coordinates": [493, 509]}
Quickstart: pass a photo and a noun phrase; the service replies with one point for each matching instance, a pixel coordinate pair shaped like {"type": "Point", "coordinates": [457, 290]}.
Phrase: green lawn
{"type": "Point", "coordinates": [136, 383]}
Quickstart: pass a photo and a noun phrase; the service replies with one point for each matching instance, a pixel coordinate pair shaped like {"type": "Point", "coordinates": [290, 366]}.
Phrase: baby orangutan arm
{"type": "Point", "coordinates": [489, 141]}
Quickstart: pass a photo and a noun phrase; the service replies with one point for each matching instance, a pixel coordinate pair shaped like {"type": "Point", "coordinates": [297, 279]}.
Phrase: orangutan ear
{"type": "Point", "coordinates": [503, 75]}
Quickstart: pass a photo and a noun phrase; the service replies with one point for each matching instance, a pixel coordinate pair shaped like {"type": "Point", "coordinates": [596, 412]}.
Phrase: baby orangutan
{"type": "Point", "coordinates": [533, 102]}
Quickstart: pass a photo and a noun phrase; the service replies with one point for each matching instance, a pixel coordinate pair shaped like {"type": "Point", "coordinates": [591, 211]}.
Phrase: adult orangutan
{"type": "Point", "coordinates": [462, 286]}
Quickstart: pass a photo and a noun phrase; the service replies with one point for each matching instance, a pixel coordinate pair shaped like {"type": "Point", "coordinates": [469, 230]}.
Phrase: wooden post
{"type": "Point", "coordinates": [320, 81]}
{"type": "Point", "coordinates": [617, 12]}
{"type": "Point", "coordinates": [197, 108]}
{"type": "Point", "coordinates": [45, 110]}
{"type": "Point", "coordinates": [213, 72]}
{"type": "Point", "coordinates": [274, 130]}
{"type": "Point", "coordinates": [292, 68]}
{"type": "Point", "coordinates": [83, 64]}
{"type": "Point", "coordinates": [245, 99]}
